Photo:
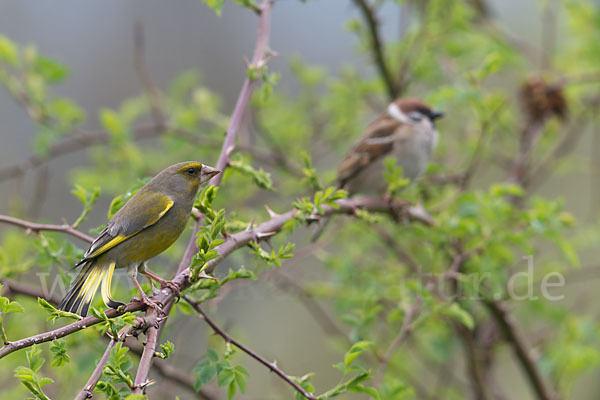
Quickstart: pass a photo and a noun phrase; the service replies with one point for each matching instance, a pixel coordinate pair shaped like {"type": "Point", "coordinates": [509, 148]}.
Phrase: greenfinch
{"type": "Point", "coordinates": [144, 227]}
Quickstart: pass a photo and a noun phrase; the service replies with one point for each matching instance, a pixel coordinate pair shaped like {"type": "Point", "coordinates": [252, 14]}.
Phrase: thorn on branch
{"type": "Point", "coordinates": [263, 235]}
{"type": "Point", "coordinates": [272, 214]}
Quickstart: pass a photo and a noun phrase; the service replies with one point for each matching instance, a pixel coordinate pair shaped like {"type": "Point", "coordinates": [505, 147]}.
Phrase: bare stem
{"type": "Point", "coordinates": [37, 228]}
{"type": "Point", "coordinates": [270, 365]}
{"type": "Point", "coordinates": [377, 47]}
{"type": "Point", "coordinates": [520, 348]}
{"type": "Point", "coordinates": [259, 59]}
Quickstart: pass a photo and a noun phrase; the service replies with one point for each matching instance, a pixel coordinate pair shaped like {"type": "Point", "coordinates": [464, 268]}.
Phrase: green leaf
{"type": "Point", "coordinates": [212, 355]}
{"type": "Point", "coordinates": [231, 390]}
{"type": "Point", "coordinates": [50, 70]}
{"type": "Point", "coordinates": [111, 121]}
{"type": "Point", "coordinates": [261, 178]}
{"type": "Point", "coordinates": [13, 306]}
{"type": "Point", "coordinates": [215, 5]}
{"type": "Point", "coordinates": [356, 349]}
{"type": "Point", "coordinates": [460, 314]}
{"type": "Point", "coordinates": [55, 313]}
{"type": "Point", "coordinates": [8, 51]}
{"type": "Point", "coordinates": [205, 374]}
{"type": "Point", "coordinates": [225, 377]}
{"type": "Point", "coordinates": [59, 349]}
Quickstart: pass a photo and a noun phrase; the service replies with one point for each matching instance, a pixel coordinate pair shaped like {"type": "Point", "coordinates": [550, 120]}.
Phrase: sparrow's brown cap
{"type": "Point", "coordinates": [411, 104]}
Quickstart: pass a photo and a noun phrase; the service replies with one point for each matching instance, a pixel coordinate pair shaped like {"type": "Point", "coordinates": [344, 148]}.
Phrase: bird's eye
{"type": "Point", "coordinates": [191, 171]}
{"type": "Point", "coordinates": [415, 116]}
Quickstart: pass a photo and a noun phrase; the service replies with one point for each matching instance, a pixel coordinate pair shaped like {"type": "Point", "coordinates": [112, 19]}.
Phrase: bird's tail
{"type": "Point", "coordinates": [82, 290]}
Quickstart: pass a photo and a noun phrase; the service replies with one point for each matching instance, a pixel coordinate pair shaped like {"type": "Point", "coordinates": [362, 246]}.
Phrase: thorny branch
{"type": "Point", "coordinates": [258, 61]}
{"type": "Point", "coordinates": [231, 243]}
{"type": "Point", "coordinates": [164, 369]}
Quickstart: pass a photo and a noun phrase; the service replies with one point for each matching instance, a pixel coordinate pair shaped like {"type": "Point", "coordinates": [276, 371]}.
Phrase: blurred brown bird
{"type": "Point", "coordinates": [406, 131]}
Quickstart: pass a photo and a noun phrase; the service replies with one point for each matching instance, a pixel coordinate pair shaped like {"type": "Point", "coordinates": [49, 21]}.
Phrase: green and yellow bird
{"type": "Point", "coordinates": [144, 227]}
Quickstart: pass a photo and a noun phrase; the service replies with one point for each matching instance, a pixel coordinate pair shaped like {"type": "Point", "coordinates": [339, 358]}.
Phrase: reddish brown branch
{"type": "Point", "coordinates": [270, 365]}
{"type": "Point", "coordinates": [141, 377]}
{"type": "Point", "coordinates": [258, 61]}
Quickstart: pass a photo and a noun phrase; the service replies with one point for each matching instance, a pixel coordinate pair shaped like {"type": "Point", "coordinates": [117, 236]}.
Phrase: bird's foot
{"type": "Point", "coordinates": [150, 303]}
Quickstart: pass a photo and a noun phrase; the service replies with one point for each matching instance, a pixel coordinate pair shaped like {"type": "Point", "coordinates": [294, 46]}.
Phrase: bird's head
{"type": "Point", "coordinates": [413, 111]}
{"type": "Point", "coordinates": [185, 178]}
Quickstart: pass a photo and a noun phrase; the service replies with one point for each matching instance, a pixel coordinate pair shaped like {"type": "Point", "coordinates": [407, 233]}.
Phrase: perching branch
{"type": "Point", "coordinates": [270, 365]}
{"type": "Point", "coordinates": [233, 242]}
{"type": "Point", "coordinates": [164, 369]}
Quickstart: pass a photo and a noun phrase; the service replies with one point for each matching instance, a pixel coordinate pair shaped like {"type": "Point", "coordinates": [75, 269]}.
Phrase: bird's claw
{"type": "Point", "coordinates": [150, 303]}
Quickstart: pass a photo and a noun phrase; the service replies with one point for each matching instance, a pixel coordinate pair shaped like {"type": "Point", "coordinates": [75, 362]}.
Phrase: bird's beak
{"type": "Point", "coordinates": [209, 172]}
{"type": "Point", "coordinates": [435, 115]}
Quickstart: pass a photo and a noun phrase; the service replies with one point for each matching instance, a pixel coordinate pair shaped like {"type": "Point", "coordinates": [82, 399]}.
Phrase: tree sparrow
{"type": "Point", "coordinates": [406, 131]}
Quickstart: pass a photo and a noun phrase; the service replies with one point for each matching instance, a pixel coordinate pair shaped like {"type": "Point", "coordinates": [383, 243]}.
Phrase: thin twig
{"type": "Point", "coordinates": [37, 228]}
{"type": "Point", "coordinates": [88, 389]}
{"type": "Point", "coordinates": [377, 48]}
{"type": "Point", "coordinates": [71, 144]}
{"type": "Point", "coordinates": [520, 348]}
{"type": "Point", "coordinates": [270, 365]}
{"type": "Point", "coordinates": [13, 287]}
{"type": "Point", "coordinates": [258, 60]}
{"type": "Point", "coordinates": [409, 316]}
{"type": "Point", "coordinates": [478, 385]}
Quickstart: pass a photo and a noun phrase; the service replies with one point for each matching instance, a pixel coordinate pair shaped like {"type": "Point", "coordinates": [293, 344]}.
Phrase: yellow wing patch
{"type": "Point", "coordinates": [120, 238]}
{"type": "Point", "coordinates": [112, 243]}
{"type": "Point", "coordinates": [167, 208]}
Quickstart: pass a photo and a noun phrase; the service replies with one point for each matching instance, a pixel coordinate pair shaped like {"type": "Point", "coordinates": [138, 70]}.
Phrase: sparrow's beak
{"type": "Point", "coordinates": [435, 115]}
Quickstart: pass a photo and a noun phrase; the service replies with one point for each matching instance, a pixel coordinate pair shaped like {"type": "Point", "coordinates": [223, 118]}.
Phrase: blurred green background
{"type": "Point", "coordinates": [471, 65]}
